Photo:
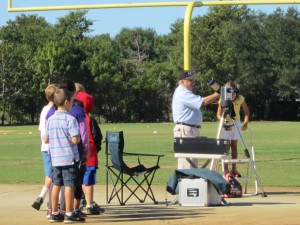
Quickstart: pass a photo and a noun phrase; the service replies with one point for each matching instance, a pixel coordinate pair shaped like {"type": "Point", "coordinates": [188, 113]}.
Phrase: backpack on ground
{"type": "Point", "coordinates": [236, 189]}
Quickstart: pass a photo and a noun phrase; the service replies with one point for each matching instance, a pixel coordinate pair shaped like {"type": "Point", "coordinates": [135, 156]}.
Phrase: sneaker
{"type": "Point", "coordinates": [37, 203]}
{"type": "Point", "coordinates": [92, 210]}
{"type": "Point", "coordinates": [101, 210]}
{"type": "Point", "coordinates": [79, 213]}
{"type": "Point", "coordinates": [236, 173]}
{"type": "Point", "coordinates": [56, 218]}
{"type": "Point", "coordinates": [73, 218]}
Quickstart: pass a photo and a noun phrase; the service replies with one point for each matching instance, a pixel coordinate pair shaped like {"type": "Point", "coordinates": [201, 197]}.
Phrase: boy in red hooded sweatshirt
{"type": "Point", "coordinates": [89, 179]}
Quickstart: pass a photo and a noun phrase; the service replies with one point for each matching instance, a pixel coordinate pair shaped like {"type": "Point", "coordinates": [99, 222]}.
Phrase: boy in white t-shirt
{"type": "Point", "coordinates": [49, 93]}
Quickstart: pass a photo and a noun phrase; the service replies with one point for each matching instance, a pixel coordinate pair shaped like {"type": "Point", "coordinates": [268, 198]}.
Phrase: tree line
{"type": "Point", "coordinates": [133, 75]}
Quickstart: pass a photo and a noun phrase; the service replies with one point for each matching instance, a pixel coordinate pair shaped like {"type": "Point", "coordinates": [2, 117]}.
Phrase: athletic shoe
{"type": "Point", "coordinates": [79, 212]}
{"type": "Point", "coordinates": [101, 210]}
{"type": "Point", "coordinates": [236, 174]}
{"type": "Point", "coordinates": [92, 210]}
{"type": "Point", "coordinates": [73, 218]}
{"type": "Point", "coordinates": [56, 218]}
{"type": "Point", "coordinates": [37, 203]}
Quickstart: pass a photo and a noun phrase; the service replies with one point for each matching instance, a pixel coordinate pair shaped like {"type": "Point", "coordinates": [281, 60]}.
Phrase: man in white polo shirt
{"type": "Point", "coordinates": [186, 111]}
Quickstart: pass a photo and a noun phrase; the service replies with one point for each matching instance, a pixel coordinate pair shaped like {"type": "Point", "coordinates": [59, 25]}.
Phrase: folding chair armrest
{"type": "Point", "coordinates": [139, 154]}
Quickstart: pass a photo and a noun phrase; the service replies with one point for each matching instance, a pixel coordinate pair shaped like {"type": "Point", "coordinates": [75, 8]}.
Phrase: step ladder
{"type": "Point", "coordinates": [249, 171]}
{"type": "Point", "coordinates": [250, 160]}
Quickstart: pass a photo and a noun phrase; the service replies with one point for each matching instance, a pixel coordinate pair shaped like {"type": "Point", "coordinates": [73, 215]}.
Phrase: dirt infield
{"type": "Point", "coordinates": [282, 206]}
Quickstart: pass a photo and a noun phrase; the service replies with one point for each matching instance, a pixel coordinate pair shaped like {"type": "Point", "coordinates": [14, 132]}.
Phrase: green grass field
{"type": "Point", "coordinates": [276, 144]}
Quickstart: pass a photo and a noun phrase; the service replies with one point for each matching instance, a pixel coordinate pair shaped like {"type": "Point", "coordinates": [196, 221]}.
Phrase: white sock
{"type": "Point", "coordinates": [44, 192]}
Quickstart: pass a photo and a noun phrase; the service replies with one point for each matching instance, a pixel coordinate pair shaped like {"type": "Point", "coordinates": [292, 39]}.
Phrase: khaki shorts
{"type": "Point", "coordinates": [186, 131]}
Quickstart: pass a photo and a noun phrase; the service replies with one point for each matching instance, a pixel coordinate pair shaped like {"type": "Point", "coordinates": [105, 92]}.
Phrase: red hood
{"type": "Point", "coordinates": [87, 100]}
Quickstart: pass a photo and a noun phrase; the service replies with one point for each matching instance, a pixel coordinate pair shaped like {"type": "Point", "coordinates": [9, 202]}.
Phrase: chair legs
{"type": "Point", "coordinates": [119, 184]}
{"type": "Point", "coordinates": [149, 191]}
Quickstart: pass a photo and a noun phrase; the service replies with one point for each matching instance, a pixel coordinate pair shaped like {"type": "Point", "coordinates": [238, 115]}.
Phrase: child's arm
{"type": "Point", "coordinates": [45, 135]}
{"type": "Point", "coordinates": [246, 116]}
{"type": "Point", "coordinates": [75, 139]}
{"type": "Point", "coordinates": [84, 137]}
{"type": "Point", "coordinates": [46, 139]}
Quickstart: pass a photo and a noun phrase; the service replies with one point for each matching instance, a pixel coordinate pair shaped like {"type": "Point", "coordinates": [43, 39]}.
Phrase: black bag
{"type": "Point", "coordinates": [96, 133]}
{"type": "Point", "coordinates": [236, 189]}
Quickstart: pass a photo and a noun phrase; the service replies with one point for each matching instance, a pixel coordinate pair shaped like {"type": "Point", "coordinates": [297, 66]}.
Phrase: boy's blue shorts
{"type": "Point", "coordinates": [47, 163]}
{"type": "Point", "coordinates": [89, 177]}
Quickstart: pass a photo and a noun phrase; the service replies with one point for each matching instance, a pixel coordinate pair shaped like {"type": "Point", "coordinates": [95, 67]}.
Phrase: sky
{"type": "Point", "coordinates": [113, 20]}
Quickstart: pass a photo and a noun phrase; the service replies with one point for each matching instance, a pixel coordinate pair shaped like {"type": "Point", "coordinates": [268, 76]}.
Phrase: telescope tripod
{"type": "Point", "coordinates": [229, 111]}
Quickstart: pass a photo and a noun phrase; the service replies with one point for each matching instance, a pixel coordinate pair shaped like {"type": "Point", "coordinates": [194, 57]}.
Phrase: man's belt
{"type": "Point", "coordinates": [190, 125]}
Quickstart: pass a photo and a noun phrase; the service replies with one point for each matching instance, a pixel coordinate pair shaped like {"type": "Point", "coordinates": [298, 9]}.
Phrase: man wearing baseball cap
{"type": "Point", "coordinates": [186, 111]}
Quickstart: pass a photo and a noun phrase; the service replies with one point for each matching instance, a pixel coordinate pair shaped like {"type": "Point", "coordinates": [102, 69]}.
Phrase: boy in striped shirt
{"type": "Point", "coordinates": [62, 134]}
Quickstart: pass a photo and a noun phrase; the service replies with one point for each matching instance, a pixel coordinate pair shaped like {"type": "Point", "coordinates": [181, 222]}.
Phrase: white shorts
{"type": "Point", "coordinates": [232, 134]}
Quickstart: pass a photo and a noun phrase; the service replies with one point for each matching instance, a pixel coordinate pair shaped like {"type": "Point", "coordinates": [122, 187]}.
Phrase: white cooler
{"type": "Point", "coordinates": [197, 192]}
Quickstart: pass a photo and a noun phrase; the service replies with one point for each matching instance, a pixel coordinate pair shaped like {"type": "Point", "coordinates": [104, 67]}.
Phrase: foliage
{"type": "Point", "coordinates": [133, 75]}
{"type": "Point", "coordinates": [267, 68]}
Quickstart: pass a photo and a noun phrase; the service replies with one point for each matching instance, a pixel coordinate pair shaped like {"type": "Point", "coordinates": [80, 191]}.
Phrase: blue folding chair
{"type": "Point", "coordinates": [119, 174]}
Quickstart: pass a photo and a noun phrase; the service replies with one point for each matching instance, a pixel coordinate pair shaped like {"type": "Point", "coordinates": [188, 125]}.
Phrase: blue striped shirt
{"type": "Point", "coordinates": [60, 128]}
{"type": "Point", "coordinates": [186, 106]}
